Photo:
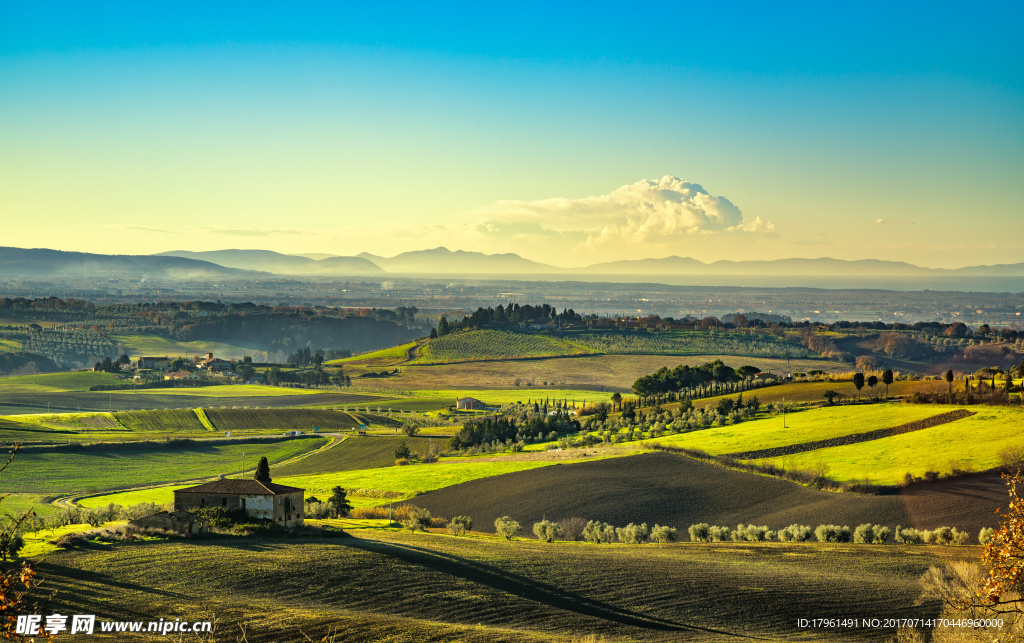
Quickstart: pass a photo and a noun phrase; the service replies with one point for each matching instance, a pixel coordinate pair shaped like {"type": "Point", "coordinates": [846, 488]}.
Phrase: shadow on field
{"type": "Point", "coordinates": [524, 587]}
{"type": "Point", "coordinates": [52, 573]}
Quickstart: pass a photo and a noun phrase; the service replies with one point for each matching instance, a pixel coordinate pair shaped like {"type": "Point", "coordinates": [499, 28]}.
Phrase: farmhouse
{"type": "Point", "coordinates": [470, 404]}
{"type": "Point", "coordinates": [212, 363]}
{"type": "Point", "coordinates": [257, 499]}
{"type": "Point", "coordinates": [159, 363]}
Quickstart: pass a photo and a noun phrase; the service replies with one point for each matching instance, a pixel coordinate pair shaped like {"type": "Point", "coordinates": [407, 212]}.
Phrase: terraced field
{"type": "Point", "coordinates": [396, 586]}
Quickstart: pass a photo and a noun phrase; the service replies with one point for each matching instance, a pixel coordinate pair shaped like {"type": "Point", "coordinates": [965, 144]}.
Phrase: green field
{"type": "Point", "coordinates": [154, 345]}
{"type": "Point", "coordinates": [227, 390]}
{"type": "Point", "coordinates": [804, 426]}
{"type": "Point", "coordinates": [492, 344]}
{"type": "Point", "coordinates": [408, 480]}
{"type": "Point", "coordinates": [73, 472]}
{"type": "Point", "coordinates": [385, 357]}
{"type": "Point", "coordinates": [54, 382]}
{"type": "Point", "coordinates": [972, 443]}
{"type": "Point", "coordinates": [385, 585]}
{"type": "Point", "coordinates": [508, 396]}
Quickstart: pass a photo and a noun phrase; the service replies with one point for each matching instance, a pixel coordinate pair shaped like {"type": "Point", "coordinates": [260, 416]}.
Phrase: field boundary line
{"type": "Point", "coordinates": [854, 438]}
{"type": "Point", "coordinates": [205, 421]}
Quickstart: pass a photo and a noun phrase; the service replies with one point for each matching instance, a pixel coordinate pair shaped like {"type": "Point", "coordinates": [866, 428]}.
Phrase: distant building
{"type": "Point", "coordinates": [265, 500]}
{"type": "Point", "coordinates": [155, 363]}
{"type": "Point", "coordinates": [211, 363]}
{"type": "Point", "coordinates": [471, 404]}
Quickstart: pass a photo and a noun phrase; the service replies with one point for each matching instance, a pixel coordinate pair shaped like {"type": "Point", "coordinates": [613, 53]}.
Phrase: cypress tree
{"type": "Point", "coordinates": [262, 470]}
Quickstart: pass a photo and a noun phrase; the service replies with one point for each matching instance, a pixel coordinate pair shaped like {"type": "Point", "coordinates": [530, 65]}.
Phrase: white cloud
{"type": "Point", "coordinates": [649, 211]}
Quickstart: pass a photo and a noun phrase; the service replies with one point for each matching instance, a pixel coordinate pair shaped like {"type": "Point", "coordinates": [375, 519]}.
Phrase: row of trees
{"type": "Point", "coordinates": [512, 315]}
{"type": "Point", "coordinates": [711, 378]}
{"type": "Point", "coordinates": [502, 429]}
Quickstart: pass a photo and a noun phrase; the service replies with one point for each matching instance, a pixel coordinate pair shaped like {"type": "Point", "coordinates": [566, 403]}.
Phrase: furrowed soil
{"type": "Point", "coordinates": [356, 453]}
{"type": "Point", "coordinates": [304, 420]}
{"type": "Point", "coordinates": [399, 586]}
{"type": "Point", "coordinates": [677, 491]}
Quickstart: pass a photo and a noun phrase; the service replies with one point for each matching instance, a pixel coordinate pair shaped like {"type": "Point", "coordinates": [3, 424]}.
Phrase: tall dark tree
{"type": "Point", "coordinates": [887, 380]}
{"type": "Point", "coordinates": [949, 380]}
{"type": "Point", "coordinates": [858, 382]}
{"type": "Point", "coordinates": [872, 382]}
{"type": "Point", "coordinates": [339, 502]}
{"type": "Point", "coordinates": [262, 470]}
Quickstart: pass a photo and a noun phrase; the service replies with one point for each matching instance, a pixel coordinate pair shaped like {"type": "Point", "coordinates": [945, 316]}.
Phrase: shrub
{"type": "Point", "coordinates": [599, 532]}
{"type": "Point", "coordinates": [751, 533]}
{"type": "Point", "coordinates": [507, 528]}
{"type": "Point", "coordinates": [718, 534]}
{"type": "Point", "coordinates": [663, 534]}
{"type": "Point", "coordinates": [547, 530]}
{"type": "Point", "coordinates": [67, 541]}
{"type": "Point", "coordinates": [572, 528]}
{"type": "Point", "coordinates": [401, 462]}
{"type": "Point", "coordinates": [633, 533]}
{"type": "Point", "coordinates": [985, 535]}
{"type": "Point", "coordinates": [699, 532]}
{"type": "Point", "coordinates": [318, 510]}
{"type": "Point", "coordinates": [381, 512]}
{"type": "Point", "coordinates": [832, 534]}
{"type": "Point", "coordinates": [909, 536]}
{"type": "Point", "coordinates": [881, 535]}
{"type": "Point", "coordinates": [864, 534]}
{"type": "Point", "coordinates": [418, 519]}
{"type": "Point", "coordinates": [459, 525]}
{"type": "Point", "coordinates": [795, 533]}
{"type": "Point", "coordinates": [220, 517]}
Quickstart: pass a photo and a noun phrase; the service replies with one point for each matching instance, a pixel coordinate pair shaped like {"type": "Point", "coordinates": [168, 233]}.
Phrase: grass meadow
{"type": "Point", "coordinates": [803, 426]}
{"type": "Point", "coordinates": [493, 344]}
{"type": "Point", "coordinates": [973, 443]}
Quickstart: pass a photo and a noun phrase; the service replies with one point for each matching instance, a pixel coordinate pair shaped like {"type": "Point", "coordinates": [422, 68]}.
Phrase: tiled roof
{"type": "Point", "coordinates": [247, 487]}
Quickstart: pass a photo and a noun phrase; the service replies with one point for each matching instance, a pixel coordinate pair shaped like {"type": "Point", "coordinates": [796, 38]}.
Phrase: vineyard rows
{"type": "Point", "coordinates": [691, 344]}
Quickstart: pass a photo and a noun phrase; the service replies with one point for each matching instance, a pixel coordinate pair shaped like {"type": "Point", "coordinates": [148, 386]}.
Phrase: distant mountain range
{"type": "Point", "coordinates": [250, 264]}
{"type": "Point", "coordinates": [43, 262]}
{"type": "Point", "coordinates": [270, 261]}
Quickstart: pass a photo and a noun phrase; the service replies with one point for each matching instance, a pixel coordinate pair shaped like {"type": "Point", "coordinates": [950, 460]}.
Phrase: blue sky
{"type": "Point", "coordinates": [849, 131]}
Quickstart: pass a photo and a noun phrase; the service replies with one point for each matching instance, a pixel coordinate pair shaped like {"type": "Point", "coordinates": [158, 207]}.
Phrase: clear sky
{"type": "Point", "coordinates": [568, 133]}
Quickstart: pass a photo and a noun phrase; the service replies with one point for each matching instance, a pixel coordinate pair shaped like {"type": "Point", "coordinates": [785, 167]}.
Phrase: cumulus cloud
{"type": "Point", "coordinates": [648, 211]}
